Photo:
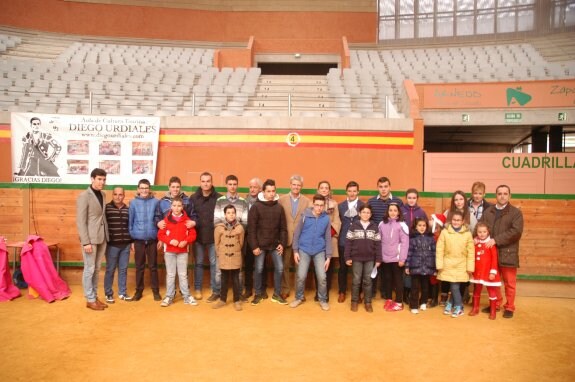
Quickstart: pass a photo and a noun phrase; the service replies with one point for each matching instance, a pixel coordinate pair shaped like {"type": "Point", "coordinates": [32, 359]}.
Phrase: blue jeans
{"type": "Point", "coordinates": [302, 269]}
{"type": "Point", "coordinates": [92, 264]}
{"type": "Point", "coordinates": [361, 276]}
{"type": "Point", "coordinates": [176, 263]}
{"type": "Point", "coordinates": [455, 294]}
{"type": "Point", "coordinates": [259, 268]}
{"type": "Point", "coordinates": [215, 274]}
{"type": "Point", "coordinates": [116, 257]}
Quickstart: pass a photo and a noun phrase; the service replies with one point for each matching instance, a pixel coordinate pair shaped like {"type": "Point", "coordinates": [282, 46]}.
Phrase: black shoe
{"type": "Point", "coordinates": [157, 296]}
{"type": "Point", "coordinates": [264, 295]}
{"type": "Point", "coordinates": [257, 299]}
{"type": "Point", "coordinates": [279, 299]}
{"type": "Point", "coordinates": [246, 296]}
{"type": "Point", "coordinates": [137, 296]}
{"type": "Point", "coordinates": [507, 314]}
{"type": "Point", "coordinates": [213, 297]}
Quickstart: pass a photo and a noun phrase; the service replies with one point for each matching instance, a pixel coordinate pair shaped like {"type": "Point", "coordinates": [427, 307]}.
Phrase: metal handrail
{"type": "Point", "coordinates": [287, 102]}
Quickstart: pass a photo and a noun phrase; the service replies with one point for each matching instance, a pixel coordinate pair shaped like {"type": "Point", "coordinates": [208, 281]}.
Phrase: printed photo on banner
{"type": "Point", "coordinates": [78, 148]}
{"type": "Point", "coordinates": [142, 149]}
{"type": "Point", "coordinates": [76, 167]}
{"type": "Point", "coordinates": [109, 142]}
{"type": "Point", "coordinates": [110, 148]}
{"type": "Point", "coordinates": [142, 167]}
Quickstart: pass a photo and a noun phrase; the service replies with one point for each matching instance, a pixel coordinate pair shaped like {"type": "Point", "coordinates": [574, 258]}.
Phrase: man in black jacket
{"type": "Point", "coordinates": [204, 200]}
{"type": "Point", "coordinates": [267, 234]}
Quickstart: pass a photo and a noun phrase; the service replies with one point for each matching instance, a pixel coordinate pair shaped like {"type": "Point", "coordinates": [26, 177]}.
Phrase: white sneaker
{"type": "Point", "coordinates": [190, 301]}
{"type": "Point", "coordinates": [295, 303]}
{"type": "Point", "coordinates": [423, 307]}
{"type": "Point", "coordinates": [324, 305]}
{"type": "Point", "coordinates": [166, 302]}
{"type": "Point", "coordinates": [415, 311]}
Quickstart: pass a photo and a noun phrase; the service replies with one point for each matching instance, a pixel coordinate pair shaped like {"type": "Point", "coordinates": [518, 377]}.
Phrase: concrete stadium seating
{"type": "Point", "coordinates": [124, 78]}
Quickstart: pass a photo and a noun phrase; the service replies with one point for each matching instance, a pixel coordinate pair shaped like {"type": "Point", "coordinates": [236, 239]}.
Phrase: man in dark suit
{"type": "Point", "coordinates": [93, 232]}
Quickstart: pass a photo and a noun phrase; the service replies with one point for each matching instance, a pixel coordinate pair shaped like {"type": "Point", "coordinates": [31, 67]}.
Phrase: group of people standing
{"type": "Point", "coordinates": [413, 256]}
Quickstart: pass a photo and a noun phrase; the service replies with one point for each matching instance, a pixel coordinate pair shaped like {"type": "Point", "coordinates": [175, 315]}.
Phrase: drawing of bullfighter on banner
{"type": "Point", "coordinates": [39, 152]}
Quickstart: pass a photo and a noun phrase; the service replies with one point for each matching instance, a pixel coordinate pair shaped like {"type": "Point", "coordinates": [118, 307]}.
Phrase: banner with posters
{"type": "Point", "coordinates": [56, 148]}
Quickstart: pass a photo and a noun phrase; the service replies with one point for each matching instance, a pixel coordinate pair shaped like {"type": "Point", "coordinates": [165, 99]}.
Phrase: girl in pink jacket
{"type": "Point", "coordinates": [394, 246]}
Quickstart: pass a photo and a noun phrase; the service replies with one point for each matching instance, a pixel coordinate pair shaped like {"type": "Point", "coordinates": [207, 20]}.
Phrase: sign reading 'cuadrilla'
{"type": "Point", "coordinates": [558, 162]}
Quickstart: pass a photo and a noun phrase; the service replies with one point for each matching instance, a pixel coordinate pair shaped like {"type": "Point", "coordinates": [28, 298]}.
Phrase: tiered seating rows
{"type": "Point", "coordinates": [376, 76]}
{"type": "Point", "coordinates": [125, 79]}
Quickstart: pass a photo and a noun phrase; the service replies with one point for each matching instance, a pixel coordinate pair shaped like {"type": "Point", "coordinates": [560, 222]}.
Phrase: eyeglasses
{"type": "Point", "coordinates": [144, 188]}
{"type": "Point", "coordinates": [319, 205]}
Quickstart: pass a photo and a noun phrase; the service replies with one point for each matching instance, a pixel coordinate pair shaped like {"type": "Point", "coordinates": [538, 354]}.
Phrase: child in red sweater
{"type": "Point", "coordinates": [176, 237]}
{"type": "Point", "coordinates": [485, 271]}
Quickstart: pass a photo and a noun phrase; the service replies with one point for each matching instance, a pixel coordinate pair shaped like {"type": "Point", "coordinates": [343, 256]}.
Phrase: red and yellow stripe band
{"type": "Point", "coordinates": [287, 138]}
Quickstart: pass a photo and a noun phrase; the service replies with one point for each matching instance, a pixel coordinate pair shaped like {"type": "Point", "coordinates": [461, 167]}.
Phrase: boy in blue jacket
{"type": "Point", "coordinates": [312, 242]}
{"type": "Point", "coordinates": [144, 231]}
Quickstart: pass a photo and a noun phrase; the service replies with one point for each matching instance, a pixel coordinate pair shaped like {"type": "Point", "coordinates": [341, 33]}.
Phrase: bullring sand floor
{"type": "Point", "coordinates": [139, 341]}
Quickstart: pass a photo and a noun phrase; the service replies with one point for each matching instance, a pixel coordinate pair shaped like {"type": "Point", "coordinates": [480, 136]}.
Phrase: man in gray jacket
{"type": "Point", "coordinates": [93, 232]}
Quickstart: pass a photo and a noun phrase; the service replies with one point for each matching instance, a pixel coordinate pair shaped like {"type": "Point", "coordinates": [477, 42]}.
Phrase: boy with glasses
{"type": "Point", "coordinates": [144, 231]}
{"type": "Point", "coordinates": [312, 242]}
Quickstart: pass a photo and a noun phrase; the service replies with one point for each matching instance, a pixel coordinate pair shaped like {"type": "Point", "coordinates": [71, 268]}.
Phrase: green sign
{"type": "Point", "coordinates": [562, 117]}
{"type": "Point", "coordinates": [512, 117]}
{"type": "Point", "coordinates": [517, 96]}
{"type": "Point", "coordinates": [465, 118]}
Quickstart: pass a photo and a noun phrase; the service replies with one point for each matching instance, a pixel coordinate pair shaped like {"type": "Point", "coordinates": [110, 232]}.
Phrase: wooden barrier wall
{"type": "Point", "coordinates": [546, 246]}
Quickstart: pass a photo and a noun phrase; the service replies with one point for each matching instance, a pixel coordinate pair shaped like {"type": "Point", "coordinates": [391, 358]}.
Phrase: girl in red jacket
{"type": "Point", "coordinates": [176, 237]}
{"type": "Point", "coordinates": [486, 272]}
